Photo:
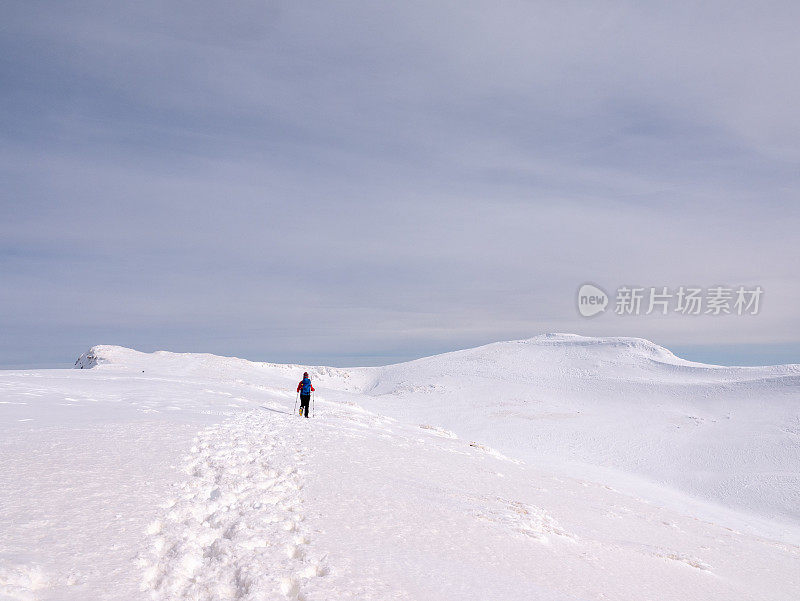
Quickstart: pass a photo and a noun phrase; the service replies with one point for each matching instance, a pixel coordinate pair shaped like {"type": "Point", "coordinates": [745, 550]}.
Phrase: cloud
{"type": "Point", "coordinates": [310, 179]}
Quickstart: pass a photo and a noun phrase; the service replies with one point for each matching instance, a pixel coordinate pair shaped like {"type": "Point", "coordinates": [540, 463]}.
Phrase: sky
{"type": "Point", "coordinates": [362, 183]}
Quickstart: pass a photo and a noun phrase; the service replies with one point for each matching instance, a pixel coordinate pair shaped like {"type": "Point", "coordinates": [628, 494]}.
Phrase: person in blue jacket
{"type": "Point", "coordinates": [305, 389]}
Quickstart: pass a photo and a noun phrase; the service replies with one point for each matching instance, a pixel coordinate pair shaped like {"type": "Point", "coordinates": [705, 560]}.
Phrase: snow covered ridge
{"type": "Point", "coordinates": [570, 352]}
{"type": "Point", "coordinates": [119, 357]}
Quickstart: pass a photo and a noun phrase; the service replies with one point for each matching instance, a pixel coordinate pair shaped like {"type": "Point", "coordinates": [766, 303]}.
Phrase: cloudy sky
{"type": "Point", "coordinates": [365, 182]}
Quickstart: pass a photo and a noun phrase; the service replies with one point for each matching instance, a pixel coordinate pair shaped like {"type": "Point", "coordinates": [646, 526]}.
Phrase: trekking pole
{"type": "Point", "coordinates": [295, 402]}
{"type": "Point", "coordinates": [313, 404]}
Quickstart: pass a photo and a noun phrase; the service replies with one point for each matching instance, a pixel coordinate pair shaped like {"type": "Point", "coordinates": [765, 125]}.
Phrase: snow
{"type": "Point", "coordinates": [558, 467]}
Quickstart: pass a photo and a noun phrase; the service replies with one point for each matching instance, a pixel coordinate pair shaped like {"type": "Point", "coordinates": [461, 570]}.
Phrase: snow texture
{"type": "Point", "coordinates": [554, 468]}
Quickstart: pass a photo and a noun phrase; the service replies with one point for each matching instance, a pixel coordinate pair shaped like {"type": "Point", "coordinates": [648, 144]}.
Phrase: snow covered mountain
{"type": "Point", "coordinates": [559, 467]}
{"type": "Point", "coordinates": [724, 434]}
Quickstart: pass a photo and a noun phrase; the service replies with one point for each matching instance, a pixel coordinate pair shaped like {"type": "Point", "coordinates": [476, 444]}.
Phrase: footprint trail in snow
{"type": "Point", "coordinates": [354, 505]}
{"type": "Point", "coordinates": [235, 528]}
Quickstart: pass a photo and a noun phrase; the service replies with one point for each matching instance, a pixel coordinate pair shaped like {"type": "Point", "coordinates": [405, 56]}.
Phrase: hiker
{"type": "Point", "coordinates": [305, 389]}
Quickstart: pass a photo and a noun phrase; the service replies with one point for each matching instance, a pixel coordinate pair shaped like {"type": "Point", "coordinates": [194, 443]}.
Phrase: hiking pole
{"type": "Point", "coordinates": [295, 402]}
{"type": "Point", "coordinates": [313, 404]}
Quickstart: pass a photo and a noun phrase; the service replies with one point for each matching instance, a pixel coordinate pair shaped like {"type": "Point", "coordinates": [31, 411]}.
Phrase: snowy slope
{"type": "Point", "coordinates": [537, 469]}
{"type": "Point", "coordinates": [725, 434]}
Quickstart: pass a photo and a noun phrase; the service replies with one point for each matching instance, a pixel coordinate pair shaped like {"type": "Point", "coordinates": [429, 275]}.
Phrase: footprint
{"type": "Point", "coordinates": [237, 515]}
{"type": "Point", "coordinates": [314, 570]}
{"type": "Point", "coordinates": [21, 581]}
{"type": "Point", "coordinates": [290, 588]}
